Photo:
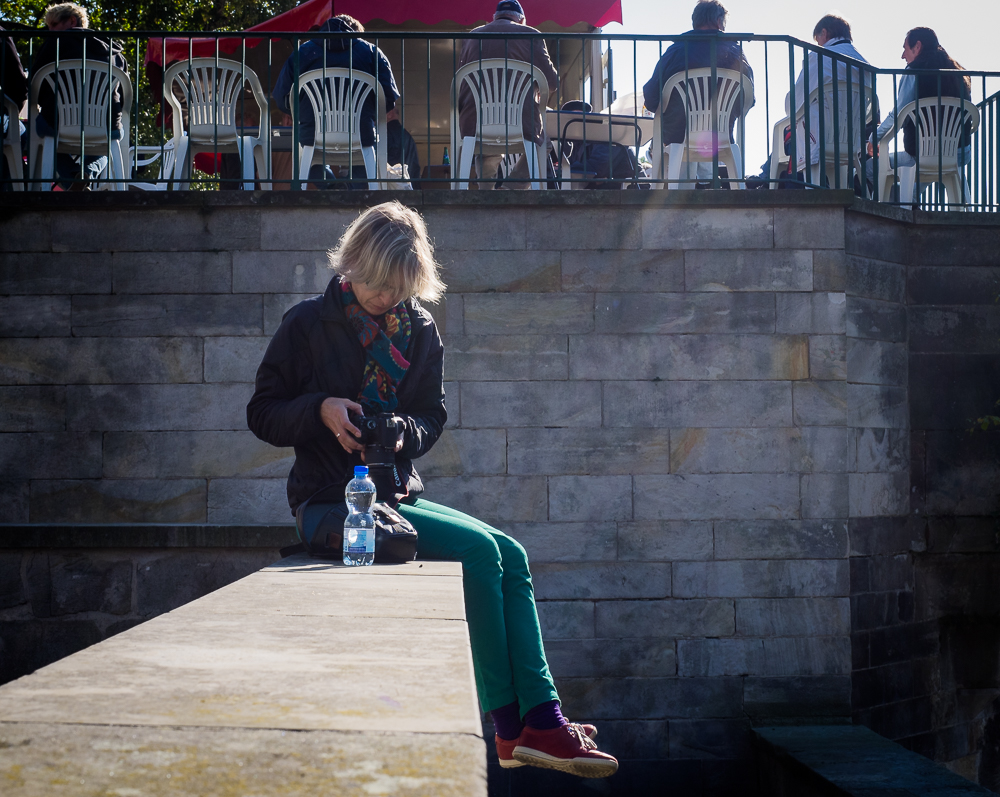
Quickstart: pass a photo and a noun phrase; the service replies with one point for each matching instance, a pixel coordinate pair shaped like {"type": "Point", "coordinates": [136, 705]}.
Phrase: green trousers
{"type": "Point", "coordinates": [507, 653]}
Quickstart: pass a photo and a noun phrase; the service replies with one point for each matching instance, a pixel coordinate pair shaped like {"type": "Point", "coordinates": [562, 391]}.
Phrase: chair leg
{"type": "Point", "coordinates": [305, 164]}
{"type": "Point", "coordinates": [676, 158]}
{"type": "Point", "coordinates": [48, 173]}
{"type": "Point", "coordinates": [246, 162]}
{"type": "Point", "coordinates": [260, 156]}
{"type": "Point", "coordinates": [181, 165]}
{"type": "Point", "coordinates": [734, 164]}
{"type": "Point", "coordinates": [531, 158]}
{"type": "Point", "coordinates": [465, 163]}
{"type": "Point", "coordinates": [117, 167]}
{"type": "Point", "coordinates": [953, 185]}
{"type": "Point", "coordinates": [907, 184]}
{"type": "Point", "coordinates": [368, 154]}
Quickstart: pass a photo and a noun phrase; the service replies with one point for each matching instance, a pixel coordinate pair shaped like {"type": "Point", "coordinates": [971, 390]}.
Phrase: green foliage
{"type": "Point", "coordinates": [986, 422]}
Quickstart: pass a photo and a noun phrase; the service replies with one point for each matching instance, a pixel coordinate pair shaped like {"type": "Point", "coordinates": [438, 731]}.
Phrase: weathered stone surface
{"type": "Point", "coordinates": [589, 229]}
{"type": "Point", "coordinates": [717, 496]}
{"type": "Point", "coordinates": [567, 451]}
{"type": "Point", "coordinates": [50, 455]}
{"type": "Point", "coordinates": [281, 272]}
{"type": "Point", "coordinates": [503, 358]}
{"type": "Point", "coordinates": [814, 313]}
{"type": "Point", "coordinates": [812, 228]}
{"type": "Point", "coordinates": [168, 230]}
{"type": "Point", "coordinates": [664, 540]}
{"type": "Point", "coordinates": [975, 245]}
{"type": "Point", "coordinates": [941, 285]}
{"type": "Point", "coordinates": [32, 409]}
{"type": "Point", "coordinates": [31, 644]}
{"type": "Point", "coordinates": [34, 316]}
{"type": "Point", "coordinates": [875, 494]}
{"type": "Point", "coordinates": [796, 449]}
{"type": "Point", "coordinates": [748, 270]}
{"type": "Point", "coordinates": [962, 473]}
{"type": "Point", "coordinates": [61, 361]}
{"type": "Point", "coordinates": [145, 316]}
{"type": "Point", "coordinates": [772, 698]}
{"type": "Point", "coordinates": [118, 501]}
{"type": "Point", "coordinates": [829, 270]}
{"type": "Point", "coordinates": [13, 502]}
{"type": "Point", "coordinates": [275, 307]}
{"type": "Point", "coordinates": [11, 588]}
{"type": "Point", "coordinates": [820, 403]}
{"type": "Point", "coordinates": [761, 579]}
{"type": "Point", "coordinates": [477, 228]}
{"type": "Point", "coordinates": [477, 271]}
{"type": "Point", "coordinates": [566, 619]}
{"type": "Point", "coordinates": [876, 362]}
{"type": "Point", "coordinates": [961, 329]}
{"type": "Point", "coordinates": [652, 698]}
{"type": "Point", "coordinates": [689, 357]}
{"type": "Point", "coordinates": [151, 408]}
{"type": "Point", "coordinates": [646, 270]}
{"type": "Point", "coordinates": [882, 450]}
{"type": "Point", "coordinates": [720, 657]}
{"type": "Point", "coordinates": [528, 313]}
{"type": "Point", "coordinates": [787, 539]}
{"type": "Point", "coordinates": [610, 658]}
{"type": "Point", "coordinates": [825, 495]}
{"type": "Point", "coordinates": [803, 617]}
{"type": "Point", "coordinates": [715, 739]}
{"type": "Point", "coordinates": [178, 455]}
{"type": "Point", "coordinates": [687, 313]}
{"type": "Point", "coordinates": [492, 499]}
{"type": "Point", "coordinates": [248, 501]}
{"type": "Point", "coordinates": [43, 273]}
{"type": "Point", "coordinates": [566, 542]}
{"type": "Point", "coordinates": [470, 452]}
{"type": "Point", "coordinates": [787, 656]}
{"type": "Point", "coordinates": [590, 498]}
{"type": "Point", "coordinates": [26, 232]}
{"type": "Point", "coordinates": [511, 404]}
{"type": "Point", "coordinates": [172, 272]}
{"type": "Point", "coordinates": [600, 581]}
{"type": "Point", "coordinates": [448, 314]}
{"type": "Point", "coordinates": [691, 228]}
{"type": "Point", "coordinates": [665, 618]}
{"type": "Point", "coordinates": [875, 279]}
{"type": "Point", "coordinates": [92, 583]}
{"type": "Point", "coordinates": [877, 405]}
{"type": "Point", "coordinates": [828, 357]}
{"type": "Point", "coordinates": [868, 318]}
{"type": "Point", "coordinates": [954, 388]}
{"type": "Point", "coordinates": [698, 404]}
{"type": "Point", "coordinates": [233, 359]}
{"type": "Point", "coordinates": [302, 229]}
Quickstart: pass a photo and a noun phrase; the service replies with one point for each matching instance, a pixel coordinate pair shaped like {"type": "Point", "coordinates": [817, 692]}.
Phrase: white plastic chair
{"type": "Point", "coordinates": [839, 150]}
{"type": "Point", "coordinates": [144, 155]}
{"type": "Point", "coordinates": [213, 93]}
{"type": "Point", "coordinates": [337, 96]}
{"type": "Point", "coordinates": [12, 145]}
{"type": "Point", "coordinates": [83, 105]}
{"type": "Point", "coordinates": [939, 130]}
{"type": "Point", "coordinates": [698, 146]}
{"type": "Point", "coordinates": [500, 87]}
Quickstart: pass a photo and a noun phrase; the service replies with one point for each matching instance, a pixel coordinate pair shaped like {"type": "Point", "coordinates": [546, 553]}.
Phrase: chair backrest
{"type": "Point", "coordinates": [337, 96]}
{"type": "Point", "coordinates": [695, 90]}
{"type": "Point", "coordinates": [83, 97]}
{"type": "Point", "coordinates": [500, 87]}
{"type": "Point", "coordinates": [13, 137]}
{"type": "Point", "coordinates": [213, 93]}
{"type": "Point", "coordinates": [939, 124]}
{"type": "Point", "coordinates": [849, 124]}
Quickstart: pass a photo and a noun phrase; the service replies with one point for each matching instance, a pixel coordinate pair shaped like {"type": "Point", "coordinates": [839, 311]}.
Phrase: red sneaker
{"type": "Point", "coordinates": [505, 747]}
{"type": "Point", "coordinates": [567, 749]}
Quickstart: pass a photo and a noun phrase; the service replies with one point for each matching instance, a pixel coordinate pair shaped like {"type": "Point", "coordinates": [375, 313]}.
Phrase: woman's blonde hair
{"type": "Point", "coordinates": [63, 11]}
{"type": "Point", "coordinates": [387, 247]}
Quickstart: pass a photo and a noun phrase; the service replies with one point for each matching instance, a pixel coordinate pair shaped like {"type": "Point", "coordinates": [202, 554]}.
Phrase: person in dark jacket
{"type": "Point", "coordinates": [336, 52]}
{"type": "Point", "coordinates": [368, 346]}
{"type": "Point", "coordinates": [73, 19]}
{"type": "Point", "coordinates": [401, 148]}
{"type": "Point", "coordinates": [694, 51]}
{"type": "Point", "coordinates": [14, 86]}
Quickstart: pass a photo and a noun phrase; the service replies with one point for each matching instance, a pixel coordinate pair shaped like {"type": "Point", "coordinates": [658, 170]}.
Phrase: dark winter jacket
{"type": "Point", "coordinates": [316, 354]}
{"type": "Point", "coordinates": [336, 52]}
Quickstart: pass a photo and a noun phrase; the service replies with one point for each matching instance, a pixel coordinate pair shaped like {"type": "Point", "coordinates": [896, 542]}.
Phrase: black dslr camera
{"type": "Point", "coordinates": [379, 435]}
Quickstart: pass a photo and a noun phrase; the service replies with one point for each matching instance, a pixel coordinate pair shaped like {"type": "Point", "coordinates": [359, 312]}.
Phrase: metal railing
{"type": "Point", "coordinates": [814, 111]}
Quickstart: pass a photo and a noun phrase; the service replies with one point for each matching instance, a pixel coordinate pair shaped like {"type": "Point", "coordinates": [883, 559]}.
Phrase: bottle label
{"type": "Point", "coordinates": [359, 540]}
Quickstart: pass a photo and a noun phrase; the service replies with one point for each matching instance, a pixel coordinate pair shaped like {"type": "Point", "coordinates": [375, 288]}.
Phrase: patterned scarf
{"type": "Point", "coordinates": [385, 366]}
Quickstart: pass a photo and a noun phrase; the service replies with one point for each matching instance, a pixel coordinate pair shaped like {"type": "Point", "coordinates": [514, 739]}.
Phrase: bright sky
{"type": "Point", "coordinates": [967, 31]}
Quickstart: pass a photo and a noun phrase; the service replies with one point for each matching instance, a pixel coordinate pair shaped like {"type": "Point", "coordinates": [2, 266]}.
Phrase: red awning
{"type": "Point", "coordinates": [307, 15]}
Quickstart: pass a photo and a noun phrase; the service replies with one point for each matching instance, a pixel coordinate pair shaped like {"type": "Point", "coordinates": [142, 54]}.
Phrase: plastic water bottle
{"type": "Point", "coordinates": [446, 160]}
{"type": "Point", "coordinates": [359, 527]}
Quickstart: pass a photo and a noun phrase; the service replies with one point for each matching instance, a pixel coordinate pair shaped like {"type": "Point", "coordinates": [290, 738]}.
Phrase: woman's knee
{"type": "Point", "coordinates": [512, 553]}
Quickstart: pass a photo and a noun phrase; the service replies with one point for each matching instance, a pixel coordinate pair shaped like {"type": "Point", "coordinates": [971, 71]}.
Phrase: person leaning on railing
{"type": "Point", "coordinates": [14, 86]}
{"type": "Point", "coordinates": [336, 51]}
{"type": "Point", "coordinates": [922, 50]}
{"type": "Point", "coordinates": [694, 51]}
{"type": "Point", "coordinates": [368, 346]}
{"type": "Point", "coordinates": [73, 18]}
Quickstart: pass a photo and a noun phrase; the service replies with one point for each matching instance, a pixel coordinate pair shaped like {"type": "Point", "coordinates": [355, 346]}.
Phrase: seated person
{"type": "Point", "coordinates": [707, 19]}
{"type": "Point", "coordinates": [337, 52]}
{"type": "Point", "coordinates": [509, 18]}
{"type": "Point", "coordinates": [921, 50]}
{"type": "Point", "coordinates": [401, 148]}
{"type": "Point", "coordinates": [604, 165]}
{"type": "Point", "coordinates": [71, 17]}
{"type": "Point", "coordinates": [14, 86]}
{"type": "Point", "coordinates": [833, 33]}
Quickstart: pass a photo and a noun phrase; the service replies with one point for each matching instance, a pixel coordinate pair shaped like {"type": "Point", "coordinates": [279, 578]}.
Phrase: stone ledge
{"type": "Point", "coordinates": [846, 760]}
{"type": "Point", "coordinates": [144, 535]}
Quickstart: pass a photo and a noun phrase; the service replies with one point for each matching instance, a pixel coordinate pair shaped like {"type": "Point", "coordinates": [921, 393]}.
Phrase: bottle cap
{"type": "Point", "coordinates": [360, 471]}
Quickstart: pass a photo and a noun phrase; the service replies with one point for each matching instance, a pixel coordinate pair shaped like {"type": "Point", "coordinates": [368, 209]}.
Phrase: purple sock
{"type": "Point", "coordinates": [545, 716]}
{"type": "Point", "coordinates": [507, 721]}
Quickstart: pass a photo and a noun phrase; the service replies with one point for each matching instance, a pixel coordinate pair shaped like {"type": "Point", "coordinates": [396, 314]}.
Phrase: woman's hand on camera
{"type": "Point", "coordinates": [399, 440]}
{"type": "Point", "coordinates": [334, 414]}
